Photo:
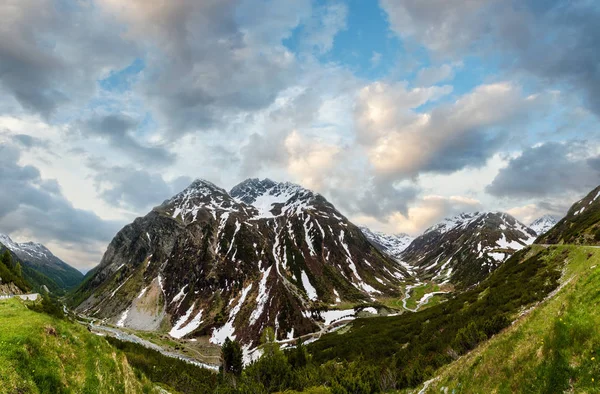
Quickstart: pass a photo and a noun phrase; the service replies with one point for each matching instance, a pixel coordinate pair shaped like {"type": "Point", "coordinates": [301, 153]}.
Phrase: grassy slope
{"type": "Point", "coordinates": [41, 354]}
{"type": "Point", "coordinates": [556, 348]}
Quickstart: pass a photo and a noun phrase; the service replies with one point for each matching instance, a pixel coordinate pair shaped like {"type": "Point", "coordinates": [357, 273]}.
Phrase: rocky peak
{"type": "Point", "coordinates": [543, 224]}
{"type": "Point", "coordinates": [464, 249]}
{"type": "Point", "coordinates": [199, 195]}
{"type": "Point", "coordinates": [449, 223]}
{"type": "Point", "coordinates": [272, 199]}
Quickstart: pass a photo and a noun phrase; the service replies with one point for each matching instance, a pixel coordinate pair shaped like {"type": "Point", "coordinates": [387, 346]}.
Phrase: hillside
{"type": "Point", "coordinates": [37, 257]}
{"type": "Point", "coordinates": [417, 343]}
{"type": "Point", "coordinates": [11, 275]}
{"type": "Point", "coordinates": [218, 263]}
{"type": "Point", "coordinates": [581, 225]}
{"type": "Point", "coordinates": [552, 349]}
{"type": "Point", "coordinates": [42, 354]}
{"type": "Point", "coordinates": [465, 249]}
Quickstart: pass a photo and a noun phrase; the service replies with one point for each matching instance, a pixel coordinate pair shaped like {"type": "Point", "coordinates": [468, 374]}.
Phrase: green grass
{"type": "Point", "coordinates": [418, 292]}
{"type": "Point", "coordinates": [555, 348]}
{"type": "Point", "coordinates": [42, 354]}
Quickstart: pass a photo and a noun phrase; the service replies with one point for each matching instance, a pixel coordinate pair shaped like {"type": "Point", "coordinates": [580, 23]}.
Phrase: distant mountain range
{"type": "Point", "coordinates": [391, 244]}
{"type": "Point", "coordinates": [41, 267]}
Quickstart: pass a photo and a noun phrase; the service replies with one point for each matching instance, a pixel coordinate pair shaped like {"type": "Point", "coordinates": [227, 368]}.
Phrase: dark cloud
{"type": "Point", "coordinates": [383, 199]}
{"type": "Point", "coordinates": [471, 150]}
{"type": "Point", "coordinates": [135, 189]}
{"type": "Point", "coordinates": [208, 60]}
{"type": "Point", "coordinates": [550, 169]}
{"type": "Point", "coordinates": [29, 202]}
{"type": "Point", "coordinates": [557, 41]}
{"type": "Point", "coordinates": [47, 59]}
{"type": "Point", "coordinates": [118, 129]}
{"type": "Point", "coordinates": [28, 141]}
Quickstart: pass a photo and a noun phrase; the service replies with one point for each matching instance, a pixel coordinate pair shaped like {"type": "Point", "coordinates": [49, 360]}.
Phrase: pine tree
{"type": "Point", "coordinates": [231, 355]}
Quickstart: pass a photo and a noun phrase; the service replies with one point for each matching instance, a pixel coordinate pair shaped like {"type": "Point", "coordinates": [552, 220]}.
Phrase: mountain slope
{"type": "Point", "coordinates": [465, 249]}
{"type": "Point", "coordinates": [580, 226]}
{"type": "Point", "coordinates": [37, 257]}
{"type": "Point", "coordinates": [413, 345]}
{"type": "Point", "coordinates": [42, 354]}
{"type": "Point", "coordinates": [11, 275]}
{"type": "Point", "coordinates": [552, 349]}
{"type": "Point", "coordinates": [543, 224]}
{"type": "Point", "coordinates": [391, 244]}
{"type": "Point", "coordinates": [209, 262]}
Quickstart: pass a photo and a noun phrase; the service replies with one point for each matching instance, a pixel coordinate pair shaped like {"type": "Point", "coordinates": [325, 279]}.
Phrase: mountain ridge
{"type": "Point", "coordinates": [205, 262]}
{"type": "Point", "coordinates": [39, 258]}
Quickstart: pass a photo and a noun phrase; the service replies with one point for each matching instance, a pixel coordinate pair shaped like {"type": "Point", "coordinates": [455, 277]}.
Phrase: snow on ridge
{"type": "Point", "coordinates": [262, 297]}
{"type": "Point", "coordinates": [121, 322]}
{"type": "Point", "coordinates": [332, 316]}
{"type": "Point", "coordinates": [228, 330]}
{"type": "Point", "coordinates": [181, 329]}
{"type": "Point", "coordinates": [310, 290]}
{"type": "Point", "coordinates": [179, 295]}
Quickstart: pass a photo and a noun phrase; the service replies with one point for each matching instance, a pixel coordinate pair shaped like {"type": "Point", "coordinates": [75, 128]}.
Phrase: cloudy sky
{"type": "Point", "coordinates": [400, 112]}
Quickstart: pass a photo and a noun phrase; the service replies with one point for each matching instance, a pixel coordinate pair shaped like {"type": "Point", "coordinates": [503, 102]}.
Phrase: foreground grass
{"type": "Point", "coordinates": [555, 348]}
{"type": "Point", "coordinates": [42, 354]}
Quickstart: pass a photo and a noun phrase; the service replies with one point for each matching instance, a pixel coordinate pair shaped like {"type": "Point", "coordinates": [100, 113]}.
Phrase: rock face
{"type": "Point", "coordinates": [390, 244]}
{"type": "Point", "coordinates": [37, 257]}
{"type": "Point", "coordinates": [543, 224]}
{"type": "Point", "coordinates": [209, 262]}
{"type": "Point", "coordinates": [464, 249]}
{"type": "Point", "coordinates": [581, 225]}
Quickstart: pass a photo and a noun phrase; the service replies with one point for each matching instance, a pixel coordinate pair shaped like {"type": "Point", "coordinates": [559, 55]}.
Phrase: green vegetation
{"type": "Point", "coordinates": [555, 348]}
{"type": "Point", "coordinates": [48, 306]}
{"type": "Point", "coordinates": [170, 372]}
{"type": "Point", "coordinates": [231, 354]}
{"type": "Point", "coordinates": [60, 274]}
{"type": "Point", "coordinates": [581, 226]}
{"type": "Point", "coordinates": [42, 354]}
{"type": "Point", "coordinates": [37, 280]}
{"type": "Point", "coordinates": [414, 345]}
{"type": "Point", "coordinates": [10, 272]}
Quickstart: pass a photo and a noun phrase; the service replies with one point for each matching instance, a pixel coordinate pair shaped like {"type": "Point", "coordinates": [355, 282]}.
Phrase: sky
{"type": "Point", "coordinates": [400, 112]}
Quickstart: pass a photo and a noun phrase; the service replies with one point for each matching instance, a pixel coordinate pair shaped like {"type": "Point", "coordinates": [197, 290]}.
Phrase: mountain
{"type": "Point", "coordinates": [543, 224]}
{"type": "Point", "coordinates": [580, 226]}
{"type": "Point", "coordinates": [37, 257]}
{"type": "Point", "coordinates": [218, 263]}
{"type": "Point", "coordinates": [466, 248]}
{"type": "Point", "coordinates": [391, 244]}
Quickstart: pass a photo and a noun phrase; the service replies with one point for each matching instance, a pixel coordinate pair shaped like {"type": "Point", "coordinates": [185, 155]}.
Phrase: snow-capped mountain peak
{"type": "Point", "coordinates": [272, 199]}
{"type": "Point", "coordinates": [391, 244]}
{"type": "Point", "coordinates": [543, 224]}
{"type": "Point", "coordinates": [31, 249]}
{"type": "Point", "coordinates": [464, 249]}
{"type": "Point", "coordinates": [451, 222]}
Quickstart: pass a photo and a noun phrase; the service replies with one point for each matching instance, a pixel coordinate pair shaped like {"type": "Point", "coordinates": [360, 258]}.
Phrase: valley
{"type": "Point", "coordinates": [440, 311]}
